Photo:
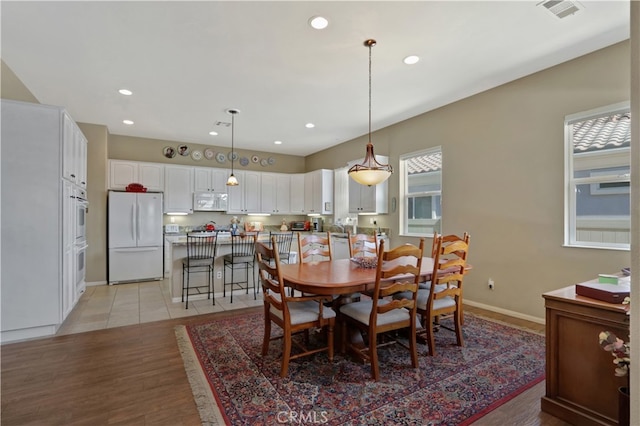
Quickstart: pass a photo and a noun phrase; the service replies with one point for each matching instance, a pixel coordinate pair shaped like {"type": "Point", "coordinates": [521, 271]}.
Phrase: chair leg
{"type": "Point", "coordinates": [267, 330]}
{"type": "Point", "coordinates": [330, 341]}
{"type": "Point", "coordinates": [458, 325]}
{"type": "Point", "coordinates": [430, 338]}
{"type": "Point", "coordinates": [413, 346]}
{"type": "Point", "coordinates": [373, 355]}
{"type": "Point", "coordinates": [286, 353]}
{"type": "Point", "coordinates": [187, 293]}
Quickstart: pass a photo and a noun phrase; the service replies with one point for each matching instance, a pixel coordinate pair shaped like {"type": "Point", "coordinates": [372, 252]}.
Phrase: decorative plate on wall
{"type": "Point", "coordinates": [209, 154]}
{"type": "Point", "coordinates": [220, 157]}
{"type": "Point", "coordinates": [255, 159]}
{"type": "Point", "coordinates": [196, 155]}
{"type": "Point", "coordinates": [244, 161]}
{"type": "Point", "coordinates": [183, 150]}
{"type": "Point", "coordinates": [169, 151]}
{"type": "Point", "coordinates": [264, 162]}
{"type": "Point", "coordinates": [271, 161]}
{"type": "Point", "coordinates": [232, 156]}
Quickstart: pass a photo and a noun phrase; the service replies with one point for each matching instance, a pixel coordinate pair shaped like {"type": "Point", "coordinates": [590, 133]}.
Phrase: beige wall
{"type": "Point", "coordinates": [11, 86]}
{"type": "Point", "coordinates": [142, 149]}
{"type": "Point", "coordinates": [97, 137]}
{"type": "Point", "coordinates": [503, 177]}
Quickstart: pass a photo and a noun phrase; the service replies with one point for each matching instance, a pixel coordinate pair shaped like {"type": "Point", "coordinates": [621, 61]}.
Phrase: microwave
{"type": "Point", "coordinates": [210, 201]}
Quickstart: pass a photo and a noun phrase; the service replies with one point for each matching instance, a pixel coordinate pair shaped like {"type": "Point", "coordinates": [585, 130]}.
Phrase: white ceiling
{"type": "Point", "coordinates": [187, 62]}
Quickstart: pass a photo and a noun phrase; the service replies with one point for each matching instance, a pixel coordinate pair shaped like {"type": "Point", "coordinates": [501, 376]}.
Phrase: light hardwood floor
{"type": "Point", "coordinates": [133, 375]}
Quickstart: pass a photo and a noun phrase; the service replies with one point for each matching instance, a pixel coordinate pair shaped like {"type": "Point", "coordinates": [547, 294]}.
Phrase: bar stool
{"type": "Point", "coordinates": [201, 253]}
{"type": "Point", "coordinates": [241, 257]}
{"type": "Point", "coordinates": [283, 240]}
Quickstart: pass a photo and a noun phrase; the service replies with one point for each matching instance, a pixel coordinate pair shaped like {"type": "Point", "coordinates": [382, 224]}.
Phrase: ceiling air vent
{"type": "Point", "coordinates": [561, 8]}
{"type": "Point", "coordinates": [223, 123]}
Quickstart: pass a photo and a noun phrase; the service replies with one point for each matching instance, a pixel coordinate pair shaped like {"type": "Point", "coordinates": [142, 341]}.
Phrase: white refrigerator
{"type": "Point", "coordinates": [135, 236]}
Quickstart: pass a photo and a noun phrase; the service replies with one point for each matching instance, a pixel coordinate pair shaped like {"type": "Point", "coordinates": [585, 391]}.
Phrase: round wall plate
{"type": "Point", "coordinates": [271, 161]}
{"type": "Point", "coordinates": [244, 161]}
{"type": "Point", "coordinates": [232, 156]}
{"type": "Point", "coordinates": [169, 151]}
{"type": "Point", "coordinates": [209, 154]}
{"type": "Point", "coordinates": [221, 158]}
{"type": "Point", "coordinates": [264, 162]}
{"type": "Point", "coordinates": [196, 155]}
{"type": "Point", "coordinates": [255, 159]}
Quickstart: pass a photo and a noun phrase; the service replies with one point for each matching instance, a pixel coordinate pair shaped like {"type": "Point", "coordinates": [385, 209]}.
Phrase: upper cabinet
{"type": "Point", "coordinates": [245, 198]}
{"type": "Point", "coordinates": [208, 179]}
{"type": "Point", "coordinates": [122, 173]}
{"type": "Point", "coordinates": [296, 193]}
{"type": "Point", "coordinates": [275, 194]}
{"type": "Point", "coordinates": [369, 199]}
{"type": "Point", "coordinates": [178, 190]}
{"type": "Point", "coordinates": [74, 152]}
{"type": "Point", "coordinates": [318, 192]}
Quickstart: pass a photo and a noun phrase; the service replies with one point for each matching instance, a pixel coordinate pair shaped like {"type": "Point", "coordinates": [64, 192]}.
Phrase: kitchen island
{"type": "Point", "coordinates": [176, 250]}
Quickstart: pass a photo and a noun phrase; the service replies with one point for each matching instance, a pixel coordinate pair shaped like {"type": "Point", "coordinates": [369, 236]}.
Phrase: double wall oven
{"type": "Point", "coordinates": [80, 246]}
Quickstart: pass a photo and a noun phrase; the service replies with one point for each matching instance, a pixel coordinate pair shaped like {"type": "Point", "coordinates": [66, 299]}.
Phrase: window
{"type": "Point", "coordinates": [421, 189]}
{"type": "Point", "coordinates": [598, 157]}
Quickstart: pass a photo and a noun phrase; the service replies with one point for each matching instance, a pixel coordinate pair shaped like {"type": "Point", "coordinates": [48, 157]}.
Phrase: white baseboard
{"type": "Point", "coordinates": [505, 311]}
{"type": "Point", "coordinates": [95, 283]}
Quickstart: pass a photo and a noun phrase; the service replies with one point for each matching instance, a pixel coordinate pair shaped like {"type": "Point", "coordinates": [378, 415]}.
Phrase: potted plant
{"type": "Point", "coordinates": [621, 352]}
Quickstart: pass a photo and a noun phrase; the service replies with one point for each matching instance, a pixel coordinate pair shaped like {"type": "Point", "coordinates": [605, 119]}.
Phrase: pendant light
{"type": "Point", "coordinates": [232, 181]}
{"type": "Point", "coordinates": [370, 172]}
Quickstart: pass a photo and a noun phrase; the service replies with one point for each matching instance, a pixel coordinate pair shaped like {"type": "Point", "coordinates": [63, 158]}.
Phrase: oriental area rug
{"type": "Point", "coordinates": [233, 384]}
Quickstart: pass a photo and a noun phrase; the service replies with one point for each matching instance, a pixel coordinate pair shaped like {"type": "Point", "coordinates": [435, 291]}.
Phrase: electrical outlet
{"type": "Point", "coordinates": [491, 284]}
{"type": "Point", "coordinates": [219, 275]}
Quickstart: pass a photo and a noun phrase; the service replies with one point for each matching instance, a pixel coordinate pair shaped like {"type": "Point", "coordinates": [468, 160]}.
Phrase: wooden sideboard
{"type": "Point", "coordinates": [581, 387]}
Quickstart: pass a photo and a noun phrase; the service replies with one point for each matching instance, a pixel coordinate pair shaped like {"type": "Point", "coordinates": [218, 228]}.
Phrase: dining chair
{"type": "Point", "coordinates": [242, 256]}
{"type": "Point", "coordinates": [293, 315]}
{"type": "Point", "coordinates": [382, 313]}
{"type": "Point", "coordinates": [444, 296]}
{"type": "Point", "coordinates": [362, 245]}
{"type": "Point", "coordinates": [284, 240]}
{"type": "Point", "coordinates": [201, 253]}
{"type": "Point", "coordinates": [314, 247]}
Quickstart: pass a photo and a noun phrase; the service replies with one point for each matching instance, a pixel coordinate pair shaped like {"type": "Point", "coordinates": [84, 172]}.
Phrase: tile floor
{"type": "Point", "coordinates": [108, 306]}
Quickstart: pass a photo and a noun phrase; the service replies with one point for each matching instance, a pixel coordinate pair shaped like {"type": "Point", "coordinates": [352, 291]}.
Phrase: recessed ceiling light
{"type": "Point", "coordinates": [127, 122]}
{"type": "Point", "coordinates": [277, 142]}
{"type": "Point", "coordinates": [212, 133]}
{"type": "Point", "coordinates": [309, 125]}
{"type": "Point", "coordinates": [410, 60]}
{"type": "Point", "coordinates": [318, 22]}
{"type": "Point", "coordinates": [125, 92]}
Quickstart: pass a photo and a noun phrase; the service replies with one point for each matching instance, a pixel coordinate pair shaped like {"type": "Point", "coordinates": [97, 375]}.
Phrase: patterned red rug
{"type": "Point", "coordinates": [455, 387]}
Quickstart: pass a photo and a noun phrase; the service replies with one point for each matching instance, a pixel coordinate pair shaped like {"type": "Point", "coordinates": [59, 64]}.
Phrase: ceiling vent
{"type": "Point", "coordinates": [561, 8]}
{"type": "Point", "coordinates": [223, 123]}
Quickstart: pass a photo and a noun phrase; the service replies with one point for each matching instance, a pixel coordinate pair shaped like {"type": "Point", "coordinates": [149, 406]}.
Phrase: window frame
{"type": "Point", "coordinates": [405, 195]}
{"type": "Point", "coordinates": [619, 157]}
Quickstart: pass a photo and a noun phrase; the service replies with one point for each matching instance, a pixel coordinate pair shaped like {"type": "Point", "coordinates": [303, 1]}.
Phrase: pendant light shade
{"type": "Point", "coordinates": [232, 181]}
{"type": "Point", "coordinates": [370, 172]}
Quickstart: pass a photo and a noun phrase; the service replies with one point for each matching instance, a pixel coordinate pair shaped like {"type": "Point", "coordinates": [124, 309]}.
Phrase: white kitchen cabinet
{"type": "Point", "coordinates": [209, 179]}
{"type": "Point", "coordinates": [369, 199]}
{"type": "Point", "coordinates": [245, 197]}
{"type": "Point", "coordinates": [318, 192]}
{"type": "Point", "coordinates": [37, 283]}
{"type": "Point", "coordinates": [275, 193]}
{"type": "Point", "coordinates": [74, 152]}
{"type": "Point", "coordinates": [296, 194]}
{"type": "Point", "coordinates": [178, 189]}
{"type": "Point", "coordinates": [123, 172]}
